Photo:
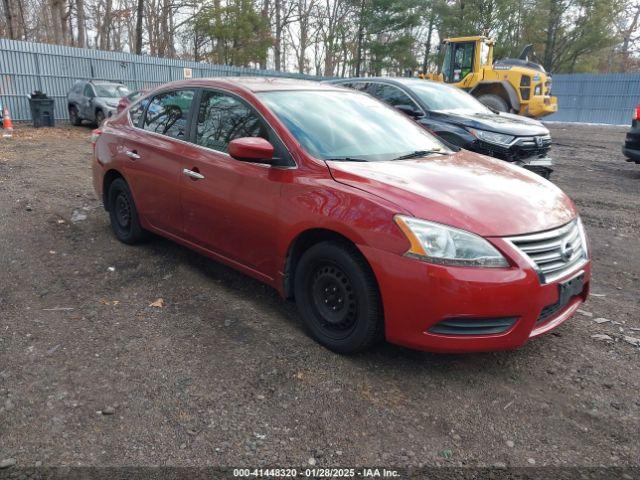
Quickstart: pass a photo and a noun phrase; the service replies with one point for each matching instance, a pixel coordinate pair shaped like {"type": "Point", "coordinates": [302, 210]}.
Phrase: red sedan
{"type": "Point", "coordinates": [374, 227]}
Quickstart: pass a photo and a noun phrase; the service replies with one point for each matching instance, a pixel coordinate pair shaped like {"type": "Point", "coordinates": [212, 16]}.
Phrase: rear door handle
{"type": "Point", "coordinates": [133, 155]}
{"type": "Point", "coordinates": [192, 174]}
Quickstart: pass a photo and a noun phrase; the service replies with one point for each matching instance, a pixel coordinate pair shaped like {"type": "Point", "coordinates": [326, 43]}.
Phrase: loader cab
{"type": "Point", "coordinates": [465, 56]}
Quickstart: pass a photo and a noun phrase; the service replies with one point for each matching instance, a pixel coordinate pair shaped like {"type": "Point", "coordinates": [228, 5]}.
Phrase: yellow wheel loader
{"type": "Point", "coordinates": [515, 85]}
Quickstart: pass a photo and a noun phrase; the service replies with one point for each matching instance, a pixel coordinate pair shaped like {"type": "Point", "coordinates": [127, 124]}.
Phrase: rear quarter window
{"type": "Point", "coordinates": [136, 112]}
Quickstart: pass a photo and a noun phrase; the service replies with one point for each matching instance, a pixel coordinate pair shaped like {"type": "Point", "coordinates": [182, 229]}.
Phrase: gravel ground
{"type": "Point", "coordinates": [96, 370]}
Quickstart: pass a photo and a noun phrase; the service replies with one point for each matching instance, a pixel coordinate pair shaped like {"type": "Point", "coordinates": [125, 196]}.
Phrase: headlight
{"type": "Point", "coordinates": [583, 238]}
{"type": "Point", "coordinates": [436, 243]}
{"type": "Point", "coordinates": [112, 104]}
{"type": "Point", "coordinates": [492, 137]}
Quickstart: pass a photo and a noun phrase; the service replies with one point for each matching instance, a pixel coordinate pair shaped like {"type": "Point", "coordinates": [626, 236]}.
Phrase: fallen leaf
{"type": "Point", "coordinates": [109, 302]}
{"type": "Point", "coordinates": [159, 303]}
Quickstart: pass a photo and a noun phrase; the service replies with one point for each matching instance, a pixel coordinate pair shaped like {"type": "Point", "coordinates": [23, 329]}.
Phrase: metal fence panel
{"type": "Point", "coordinates": [26, 66]}
{"type": "Point", "coordinates": [596, 98]}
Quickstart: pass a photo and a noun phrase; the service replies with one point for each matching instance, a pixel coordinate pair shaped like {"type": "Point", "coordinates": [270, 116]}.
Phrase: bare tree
{"type": "Point", "coordinates": [139, 13]}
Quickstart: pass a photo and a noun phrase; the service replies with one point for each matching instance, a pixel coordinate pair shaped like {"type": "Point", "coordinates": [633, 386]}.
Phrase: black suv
{"type": "Point", "coordinates": [631, 147]}
{"type": "Point", "coordinates": [462, 121]}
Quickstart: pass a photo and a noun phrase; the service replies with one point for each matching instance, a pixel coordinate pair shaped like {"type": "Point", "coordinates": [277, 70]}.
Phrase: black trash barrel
{"type": "Point", "coordinates": [41, 110]}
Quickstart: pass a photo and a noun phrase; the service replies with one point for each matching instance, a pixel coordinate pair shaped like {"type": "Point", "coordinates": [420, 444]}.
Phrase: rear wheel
{"type": "Point", "coordinates": [338, 299]}
{"type": "Point", "coordinates": [123, 214]}
{"type": "Point", "coordinates": [494, 102]}
{"type": "Point", "coordinates": [74, 117]}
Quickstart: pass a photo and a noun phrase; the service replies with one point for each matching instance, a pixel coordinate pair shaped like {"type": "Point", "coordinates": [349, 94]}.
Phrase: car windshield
{"type": "Point", "coordinates": [111, 90]}
{"type": "Point", "coordinates": [445, 98]}
{"type": "Point", "coordinates": [345, 125]}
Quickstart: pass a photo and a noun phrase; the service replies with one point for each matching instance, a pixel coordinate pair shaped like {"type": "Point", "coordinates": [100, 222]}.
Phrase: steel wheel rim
{"type": "Point", "coordinates": [333, 300]}
{"type": "Point", "coordinates": [123, 211]}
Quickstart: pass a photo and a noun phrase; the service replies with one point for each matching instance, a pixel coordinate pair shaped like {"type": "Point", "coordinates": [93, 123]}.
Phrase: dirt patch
{"type": "Point", "coordinates": [222, 373]}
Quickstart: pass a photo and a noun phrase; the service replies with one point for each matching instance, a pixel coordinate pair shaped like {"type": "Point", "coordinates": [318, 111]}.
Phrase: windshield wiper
{"type": "Point", "coordinates": [346, 159]}
{"type": "Point", "coordinates": [420, 153]}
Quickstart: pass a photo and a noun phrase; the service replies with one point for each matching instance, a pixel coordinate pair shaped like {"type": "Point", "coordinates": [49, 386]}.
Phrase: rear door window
{"type": "Point", "coordinates": [168, 114]}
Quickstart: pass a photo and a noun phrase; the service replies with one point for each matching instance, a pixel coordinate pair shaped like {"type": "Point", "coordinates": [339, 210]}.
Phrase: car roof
{"type": "Point", "coordinates": [393, 80]}
{"type": "Point", "coordinates": [105, 82]}
{"type": "Point", "coordinates": [256, 84]}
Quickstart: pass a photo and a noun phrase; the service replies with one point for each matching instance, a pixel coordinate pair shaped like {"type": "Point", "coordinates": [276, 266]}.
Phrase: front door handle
{"type": "Point", "coordinates": [192, 174]}
{"type": "Point", "coordinates": [133, 155]}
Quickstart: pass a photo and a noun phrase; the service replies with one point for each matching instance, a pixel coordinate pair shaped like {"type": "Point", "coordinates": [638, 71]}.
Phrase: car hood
{"type": "Point", "coordinates": [469, 191]}
{"type": "Point", "coordinates": [506, 123]}
{"type": "Point", "coordinates": [110, 101]}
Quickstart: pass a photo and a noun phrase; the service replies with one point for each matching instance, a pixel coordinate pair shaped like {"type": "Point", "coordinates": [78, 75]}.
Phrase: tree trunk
{"type": "Point", "coordinates": [626, 39]}
{"type": "Point", "coordinates": [65, 15]}
{"type": "Point", "coordinates": [105, 31]}
{"type": "Point", "coordinates": [139, 13]}
{"type": "Point", "coordinates": [360, 39]}
{"type": "Point", "coordinates": [303, 19]}
{"type": "Point", "coordinates": [11, 19]}
{"type": "Point", "coordinates": [265, 31]}
{"type": "Point", "coordinates": [277, 44]}
{"type": "Point", "coordinates": [82, 27]}
{"type": "Point", "coordinates": [56, 18]}
{"type": "Point", "coordinates": [427, 44]}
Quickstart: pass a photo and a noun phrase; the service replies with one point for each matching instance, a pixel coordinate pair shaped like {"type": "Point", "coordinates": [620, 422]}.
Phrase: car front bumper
{"type": "Point", "coordinates": [417, 295]}
{"type": "Point", "coordinates": [633, 155]}
{"type": "Point", "coordinates": [631, 148]}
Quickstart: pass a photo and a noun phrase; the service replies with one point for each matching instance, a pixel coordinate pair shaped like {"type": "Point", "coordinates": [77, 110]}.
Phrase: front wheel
{"type": "Point", "coordinates": [99, 118]}
{"type": "Point", "coordinates": [494, 102]}
{"type": "Point", "coordinates": [74, 117]}
{"type": "Point", "coordinates": [123, 214]}
{"type": "Point", "coordinates": [338, 298]}
{"type": "Point", "coordinates": [544, 172]}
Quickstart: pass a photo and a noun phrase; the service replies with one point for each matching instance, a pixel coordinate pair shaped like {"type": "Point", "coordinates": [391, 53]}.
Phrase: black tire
{"type": "Point", "coordinates": [544, 172]}
{"type": "Point", "coordinates": [494, 102]}
{"type": "Point", "coordinates": [338, 298]}
{"type": "Point", "coordinates": [74, 116]}
{"type": "Point", "coordinates": [100, 118]}
{"type": "Point", "coordinates": [123, 214]}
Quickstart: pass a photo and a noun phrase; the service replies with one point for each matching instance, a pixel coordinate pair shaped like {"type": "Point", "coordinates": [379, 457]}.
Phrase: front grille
{"type": "Point", "coordinates": [473, 326]}
{"type": "Point", "coordinates": [555, 252]}
{"type": "Point", "coordinates": [521, 148]}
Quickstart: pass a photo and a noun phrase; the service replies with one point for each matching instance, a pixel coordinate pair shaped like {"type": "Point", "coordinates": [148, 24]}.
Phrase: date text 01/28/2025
{"type": "Point", "coordinates": [316, 472]}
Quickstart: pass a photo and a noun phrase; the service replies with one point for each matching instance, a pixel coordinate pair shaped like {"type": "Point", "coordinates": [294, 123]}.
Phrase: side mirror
{"type": "Point", "coordinates": [251, 149]}
{"type": "Point", "coordinates": [410, 110]}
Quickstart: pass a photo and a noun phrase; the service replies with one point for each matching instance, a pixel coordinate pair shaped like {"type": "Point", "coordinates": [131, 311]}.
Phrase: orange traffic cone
{"type": "Point", "coordinates": [7, 124]}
